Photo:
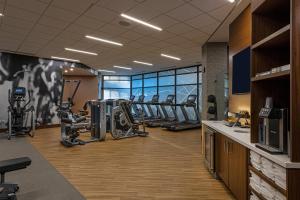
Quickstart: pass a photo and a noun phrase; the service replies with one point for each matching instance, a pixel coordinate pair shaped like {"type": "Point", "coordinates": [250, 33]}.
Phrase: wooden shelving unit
{"type": "Point", "coordinates": [275, 43]}
{"type": "Point", "coordinates": [273, 76]}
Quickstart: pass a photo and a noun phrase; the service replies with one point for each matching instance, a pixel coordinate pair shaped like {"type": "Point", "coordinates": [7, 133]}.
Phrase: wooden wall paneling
{"type": "Point", "coordinates": [295, 83]}
{"type": "Point", "coordinates": [87, 90]}
{"type": "Point", "coordinates": [239, 39]}
{"type": "Point", "coordinates": [293, 183]}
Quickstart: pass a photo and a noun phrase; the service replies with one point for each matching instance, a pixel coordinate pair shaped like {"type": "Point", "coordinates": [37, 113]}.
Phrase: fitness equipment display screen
{"type": "Point", "coordinates": [21, 91]}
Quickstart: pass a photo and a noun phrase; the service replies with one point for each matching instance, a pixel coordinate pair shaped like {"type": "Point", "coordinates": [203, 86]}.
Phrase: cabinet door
{"type": "Point", "coordinates": [237, 170]}
{"type": "Point", "coordinates": [221, 157]}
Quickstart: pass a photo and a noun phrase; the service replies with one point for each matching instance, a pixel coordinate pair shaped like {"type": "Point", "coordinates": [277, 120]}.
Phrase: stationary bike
{"type": "Point", "coordinates": [19, 112]}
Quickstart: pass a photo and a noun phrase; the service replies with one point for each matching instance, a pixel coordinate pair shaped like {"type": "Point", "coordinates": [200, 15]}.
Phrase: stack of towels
{"type": "Point", "coordinates": [263, 188]}
{"type": "Point", "coordinates": [268, 168]}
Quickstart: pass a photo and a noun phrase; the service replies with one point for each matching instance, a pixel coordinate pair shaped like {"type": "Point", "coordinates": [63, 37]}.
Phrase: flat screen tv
{"type": "Point", "coordinates": [241, 72]}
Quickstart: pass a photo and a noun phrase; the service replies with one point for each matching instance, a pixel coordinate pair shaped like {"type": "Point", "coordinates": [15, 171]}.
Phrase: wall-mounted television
{"type": "Point", "coordinates": [241, 72]}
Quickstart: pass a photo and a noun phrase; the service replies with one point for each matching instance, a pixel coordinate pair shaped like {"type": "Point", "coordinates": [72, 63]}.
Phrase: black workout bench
{"type": "Point", "coordinates": [8, 191]}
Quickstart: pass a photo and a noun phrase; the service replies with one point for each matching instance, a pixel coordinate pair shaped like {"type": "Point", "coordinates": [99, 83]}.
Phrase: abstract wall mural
{"type": "Point", "coordinates": [41, 77]}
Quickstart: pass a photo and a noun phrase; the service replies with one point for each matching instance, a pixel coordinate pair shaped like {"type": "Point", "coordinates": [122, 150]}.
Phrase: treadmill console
{"type": "Point", "coordinates": [155, 98]}
{"type": "Point", "coordinates": [191, 99]}
{"type": "Point", "coordinates": [141, 98]}
{"type": "Point", "coordinates": [170, 98]}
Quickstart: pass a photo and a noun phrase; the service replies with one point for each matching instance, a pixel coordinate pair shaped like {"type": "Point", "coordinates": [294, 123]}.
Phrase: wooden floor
{"type": "Point", "coordinates": [165, 165]}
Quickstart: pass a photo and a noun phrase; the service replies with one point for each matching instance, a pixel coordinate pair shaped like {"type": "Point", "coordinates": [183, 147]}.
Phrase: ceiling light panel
{"type": "Point", "coordinates": [103, 40]}
{"type": "Point", "coordinates": [121, 67]}
{"type": "Point", "coordinates": [65, 59]}
{"type": "Point", "coordinates": [141, 22]}
{"type": "Point", "coordinates": [1, 15]}
{"type": "Point", "coordinates": [104, 70]}
{"type": "Point", "coordinates": [169, 56]}
{"type": "Point", "coordinates": [143, 63]}
{"type": "Point", "coordinates": [81, 51]}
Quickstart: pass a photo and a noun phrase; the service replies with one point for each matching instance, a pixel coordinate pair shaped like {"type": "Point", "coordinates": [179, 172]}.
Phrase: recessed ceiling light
{"type": "Point", "coordinates": [168, 56]}
{"type": "Point", "coordinates": [103, 40]}
{"type": "Point", "coordinates": [66, 71]}
{"type": "Point", "coordinates": [143, 63]}
{"type": "Point", "coordinates": [72, 69]}
{"type": "Point", "coordinates": [231, 1]}
{"type": "Point", "coordinates": [66, 59]}
{"type": "Point", "coordinates": [104, 70]}
{"type": "Point", "coordinates": [121, 67]}
{"type": "Point", "coordinates": [1, 15]}
{"type": "Point", "coordinates": [80, 51]}
{"type": "Point", "coordinates": [141, 22]}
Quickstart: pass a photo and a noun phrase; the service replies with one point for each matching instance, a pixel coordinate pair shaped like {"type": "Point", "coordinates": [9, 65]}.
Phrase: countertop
{"type": "Point", "coordinates": [244, 139]}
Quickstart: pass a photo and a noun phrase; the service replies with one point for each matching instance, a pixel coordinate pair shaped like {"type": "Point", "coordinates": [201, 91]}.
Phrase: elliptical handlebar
{"type": "Point", "coordinates": [29, 99]}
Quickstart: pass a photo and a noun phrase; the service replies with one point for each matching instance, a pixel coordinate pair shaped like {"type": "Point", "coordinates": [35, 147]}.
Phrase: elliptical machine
{"type": "Point", "coordinates": [18, 113]}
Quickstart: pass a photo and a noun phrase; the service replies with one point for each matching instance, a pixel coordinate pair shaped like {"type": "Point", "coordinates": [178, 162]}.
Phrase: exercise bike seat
{"type": "Point", "coordinates": [14, 164]}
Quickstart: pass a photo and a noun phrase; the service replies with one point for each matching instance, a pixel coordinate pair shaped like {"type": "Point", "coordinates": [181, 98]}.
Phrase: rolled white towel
{"type": "Point", "coordinates": [254, 197]}
{"type": "Point", "coordinates": [279, 196]}
{"type": "Point", "coordinates": [280, 182]}
{"type": "Point", "coordinates": [267, 191]}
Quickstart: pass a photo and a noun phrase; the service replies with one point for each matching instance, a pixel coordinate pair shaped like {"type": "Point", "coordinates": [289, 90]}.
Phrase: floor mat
{"type": "Point", "coordinates": [40, 181]}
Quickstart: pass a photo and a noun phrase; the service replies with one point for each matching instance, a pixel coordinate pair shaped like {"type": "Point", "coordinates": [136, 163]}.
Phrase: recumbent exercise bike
{"type": "Point", "coordinates": [19, 112]}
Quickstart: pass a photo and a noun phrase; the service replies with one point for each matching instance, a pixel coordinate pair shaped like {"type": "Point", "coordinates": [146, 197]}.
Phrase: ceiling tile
{"type": "Point", "coordinates": [61, 14]}
{"type": "Point", "coordinates": [208, 5]}
{"type": "Point", "coordinates": [117, 5]}
{"type": "Point", "coordinates": [101, 14]}
{"type": "Point", "coordinates": [222, 12]}
{"type": "Point", "coordinates": [195, 35]}
{"type": "Point", "coordinates": [184, 12]}
{"type": "Point", "coordinates": [180, 28]}
{"type": "Point", "coordinates": [19, 13]}
{"type": "Point", "coordinates": [89, 22]}
{"type": "Point", "coordinates": [112, 30]}
{"type": "Point", "coordinates": [201, 21]}
{"type": "Point", "coordinates": [30, 5]}
{"type": "Point", "coordinates": [210, 28]}
{"type": "Point", "coordinates": [163, 21]}
{"type": "Point", "coordinates": [162, 5]}
{"type": "Point", "coordinates": [131, 35]}
{"type": "Point", "coordinates": [143, 12]}
{"type": "Point", "coordinates": [52, 22]}
{"type": "Point", "coordinates": [77, 6]}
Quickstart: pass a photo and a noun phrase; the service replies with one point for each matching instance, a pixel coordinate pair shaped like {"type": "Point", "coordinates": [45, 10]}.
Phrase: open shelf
{"type": "Point", "coordinates": [269, 6]}
{"type": "Point", "coordinates": [277, 39]}
{"type": "Point", "coordinates": [275, 76]}
{"type": "Point", "coordinates": [268, 180]}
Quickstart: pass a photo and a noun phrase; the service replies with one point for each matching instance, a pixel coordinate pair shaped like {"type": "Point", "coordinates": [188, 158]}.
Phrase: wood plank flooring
{"type": "Point", "coordinates": [163, 166]}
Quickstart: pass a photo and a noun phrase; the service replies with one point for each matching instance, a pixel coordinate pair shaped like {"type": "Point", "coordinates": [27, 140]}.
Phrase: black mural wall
{"type": "Point", "coordinates": [42, 77]}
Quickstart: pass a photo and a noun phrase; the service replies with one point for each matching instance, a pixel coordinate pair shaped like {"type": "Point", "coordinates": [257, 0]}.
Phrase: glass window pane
{"type": "Point", "coordinates": [150, 82]}
{"type": "Point", "coordinates": [166, 80]}
{"type": "Point", "coordinates": [200, 99]}
{"type": "Point", "coordinates": [186, 70]}
{"type": "Point", "coordinates": [116, 93]}
{"type": "Point", "coordinates": [151, 75]}
{"type": "Point", "coordinates": [137, 92]}
{"type": "Point", "coordinates": [137, 83]}
{"type": "Point", "coordinates": [166, 73]}
{"type": "Point", "coordinates": [186, 79]}
{"type": "Point", "coordinates": [149, 92]}
{"type": "Point", "coordinates": [165, 91]}
{"type": "Point", "coordinates": [137, 77]}
{"type": "Point", "coordinates": [116, 84]}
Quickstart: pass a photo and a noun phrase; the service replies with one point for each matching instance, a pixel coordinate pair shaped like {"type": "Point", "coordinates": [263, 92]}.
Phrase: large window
{"type": "Point", "coordinates": [180, 82]}
{"type": "Point", "coordinates": [116, 87]}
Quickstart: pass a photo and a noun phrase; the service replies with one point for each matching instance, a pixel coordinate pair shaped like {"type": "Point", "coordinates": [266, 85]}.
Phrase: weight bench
{"type": "Point", "coordinates": [8, 191]}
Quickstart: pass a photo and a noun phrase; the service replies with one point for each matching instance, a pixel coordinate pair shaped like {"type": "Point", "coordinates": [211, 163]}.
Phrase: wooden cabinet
{"type": "Point", "coordinates": [231, 165]}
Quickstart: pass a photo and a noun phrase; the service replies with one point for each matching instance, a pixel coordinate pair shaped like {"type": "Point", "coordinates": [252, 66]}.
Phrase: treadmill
{"type": "Point", "coordinates": [149, 104]}
{"type": "Point", "coordinates": [135, 104]}
{"type": "Point", "coordinates": [164, 116]}
{"type": "Point", "coordinates": [187, 123]}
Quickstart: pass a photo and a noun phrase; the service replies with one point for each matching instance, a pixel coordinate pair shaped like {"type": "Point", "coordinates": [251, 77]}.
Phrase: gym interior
{"type": "Point", "coordinates": [149, 99]}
